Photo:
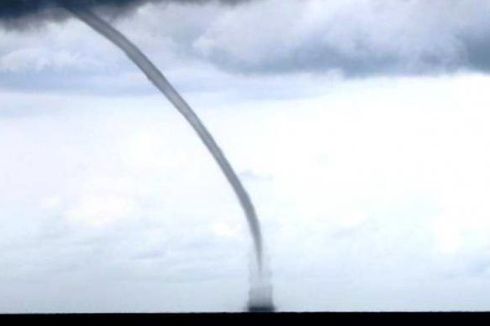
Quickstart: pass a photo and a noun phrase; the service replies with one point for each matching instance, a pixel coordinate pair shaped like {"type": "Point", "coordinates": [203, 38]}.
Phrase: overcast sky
{"type": "Point", "coordinates": [359, 128]}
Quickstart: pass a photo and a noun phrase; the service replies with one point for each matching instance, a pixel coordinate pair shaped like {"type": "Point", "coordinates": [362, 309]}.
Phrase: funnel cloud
{"type": "Point", "coordinates": [15, 14]}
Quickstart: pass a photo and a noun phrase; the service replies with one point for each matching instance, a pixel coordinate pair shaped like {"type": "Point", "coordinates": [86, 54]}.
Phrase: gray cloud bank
{"type": "Point", "coordinates": [353, 38]}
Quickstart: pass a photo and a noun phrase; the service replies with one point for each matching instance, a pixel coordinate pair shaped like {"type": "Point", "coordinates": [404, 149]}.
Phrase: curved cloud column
{"type": "Point", "coordinates": [157, 78]}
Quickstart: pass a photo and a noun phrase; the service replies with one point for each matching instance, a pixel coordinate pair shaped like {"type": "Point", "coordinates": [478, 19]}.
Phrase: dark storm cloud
{"type": "Point", "coordinates": [26, 13]}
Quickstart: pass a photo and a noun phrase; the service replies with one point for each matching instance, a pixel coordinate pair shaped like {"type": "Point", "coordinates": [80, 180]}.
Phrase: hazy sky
{"type": "Point", "coordinates": [359, 128]}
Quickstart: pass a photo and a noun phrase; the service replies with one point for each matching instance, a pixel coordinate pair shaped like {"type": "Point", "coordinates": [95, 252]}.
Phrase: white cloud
{"type": "Point", "coordinates": [37, 59]}
{"type": "Point", "coordinates": [101, 209]}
